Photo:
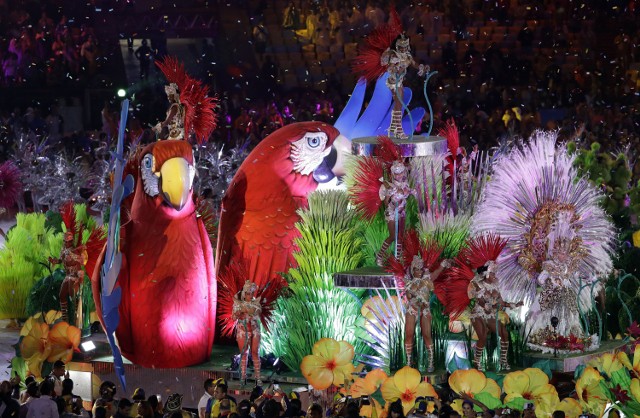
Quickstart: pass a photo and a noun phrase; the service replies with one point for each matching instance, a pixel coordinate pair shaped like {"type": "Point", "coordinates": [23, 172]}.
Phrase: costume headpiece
{"type": "Point", "coordinates": [249, 287]}
{"type": "Point", "coordinates": [482, 250]}
{"type": "Point", "coordinates": [171, 88]}
{"type": "Point", "coordinates": [403, 42]}
{"type": "Point", "coordinates": [199, 113]}
{"type": "Point", "coordinates": [417, 263]}
{"type": "Point", "coordinates": [367, 63]}
{"type": "Point", "coordinates": [398, 167]}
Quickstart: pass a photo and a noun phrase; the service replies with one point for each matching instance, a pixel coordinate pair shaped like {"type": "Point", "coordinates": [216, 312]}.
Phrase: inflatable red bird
{"type": "Point", "coordinates": [168, 306]}
{"type": "Point", "coordinates": [166, 278]}
{"type": "Point", "coordinates": [258, 212]}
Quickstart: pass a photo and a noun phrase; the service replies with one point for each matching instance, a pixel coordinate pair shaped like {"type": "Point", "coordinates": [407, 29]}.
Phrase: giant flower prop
{"type": "Point", "coordinates": [406, 385]}
{"type": "Point", "coordinates": [530, 385]}
{"type": "Point", "coordinates": [608, 363]}
{"type": "Point", "coordinates": [570, 407]}
{"type": "Point", "coordinates": [64, 339]}
{"type": "Point", "coordinates": [475, 384]}
{"type": "Point", "coordinates": [44, 339]}
{"type": "Point", "coordinates": [331, 363]}
{"type": "Point", "coordinates": [590, 392]}
{"type": "Point", "coordinates": [634, 367]}
{"type": "Point", "coordinates": [35, 346]}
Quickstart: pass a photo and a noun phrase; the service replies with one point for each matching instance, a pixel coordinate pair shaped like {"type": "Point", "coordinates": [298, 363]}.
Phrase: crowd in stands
{"type": "Point", "coordinates": [504, 69]}
{"type": "Point", "coordinates": [54, 398]}
{"type": "Point", "coordinates": [43, 49]}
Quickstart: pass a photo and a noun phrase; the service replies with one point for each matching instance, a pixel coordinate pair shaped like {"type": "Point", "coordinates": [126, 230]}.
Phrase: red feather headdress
{"type": "Point", "coordinates": [430, 254]}
{"type": "Point", "coordinates": [481, 249]}
{"type": "Point", "coordinates": [478, 252]}
{"type": "Point", "coordinates": [199, 117]}
{"type": "Point", "coordinates": [367, 63]}
{"type": "Point", "coordinates": [365, 194]}
{"type": "Point", "coordinates": [231, 282]}
{"type": "Point", "coordinates": [451, 134]}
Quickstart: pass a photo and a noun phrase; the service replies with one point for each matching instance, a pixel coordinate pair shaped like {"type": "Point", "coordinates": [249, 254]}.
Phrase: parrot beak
{"type": "Point", "coordinates": [323, 172]}
{"type": "Point", "coordinates": [333, 164]}
{"type": "Point", "coordinates": [176, 178]}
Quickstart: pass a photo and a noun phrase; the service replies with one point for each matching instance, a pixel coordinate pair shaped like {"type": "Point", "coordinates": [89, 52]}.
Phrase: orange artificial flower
{"type": "Point", "coordinates": [35, 346]}
{"type": "Point", "coordinates": [330, 363]}
{"type": "Point", "coordinates": [64, 339]}
{"type": "Point", "coordinates": [406, 385]}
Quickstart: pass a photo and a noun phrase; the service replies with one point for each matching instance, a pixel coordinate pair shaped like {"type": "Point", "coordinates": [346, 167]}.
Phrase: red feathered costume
{"type": "Point", "coordinates": [258, 216]}
{"type": "Point", "coordinates": [418, 273]}
{"type": "Point", "coordinates": [169, 292]}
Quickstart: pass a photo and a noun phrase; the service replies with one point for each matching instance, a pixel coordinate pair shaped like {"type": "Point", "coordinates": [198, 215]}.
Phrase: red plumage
{"type": "Point", "coordinates": [367, 63]}
{"type": "Point", "coordinates": [365, 193]}
{"type": "Point", "coordinates": [482, 249]}
{"type": "Point", "coordinates": [456, 297]}
{"type": "Point", "coordinates": [388, 150]}
{"type": "Point", "coordinates": [451, 134]}
{"type": "Point", "coordinates": [429, 252]}
{"type": "Point", "coordinates": [68, 214]}
{"type": "Point", "coordinates": [259, 209]}
{"type": "Point", "coordinates": [93, 246]}
{"type": "Point", "coordinates": [200, 117]}
{"type": "Point", "coordinates": [231, 282]}
{"type": "Point", "coordinates": [11, 189]}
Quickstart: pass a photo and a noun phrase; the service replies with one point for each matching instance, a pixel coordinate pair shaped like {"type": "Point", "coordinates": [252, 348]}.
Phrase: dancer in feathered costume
{"type": "Point", "coordinates": [243, 306]}
{"type": "Point", "coordinates": [387, 49]}
{"type": "Point", "coordinates": [474, 278]}
{"type": "Point", "coordinates": [384, 180]}
{"type": "Point", "coordinates": [418, 272]}
{"type": "Point", "coordinates": [559, 238]}
{"type": "Point", "coordinates": [76, 256]}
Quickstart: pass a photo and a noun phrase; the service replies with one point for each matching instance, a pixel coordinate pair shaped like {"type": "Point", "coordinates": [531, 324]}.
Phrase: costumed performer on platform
{"type": "Point", "coordinates": [418, 273]}
{"type": "Point", "coordinates": [473, 278]}
{"type": "Point", "coordinates": [387, 49]}
{"type": "Point", "coordinates": [244, 306]}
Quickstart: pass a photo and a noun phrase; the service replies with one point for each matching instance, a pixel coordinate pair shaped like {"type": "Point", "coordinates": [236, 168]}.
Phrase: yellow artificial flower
{"type": "Point", "coordinates": [330, 363]}
{"type": "Point", "coordinates": [369, 384]}
{"type": "Point", "coordinates": [376, 303]}
{"type": "Point", "coordinates": [533, 385]}
{"type": "Point", "coordinates": [406, 385]}
{"type": "Point", "coordinates": [571, 408]}
{"type": "Point", "coordinates": [634, 388]}
{"type": "Point", "coordinates": [608, 363]}
{"type": "Point", "coordinates": [456, 405]}
{"type": "Point", "coordinates": [64, 339]}
{"type": "Point", "coordinates": [35, 347]}
{"type": "Point", "coordinates": [368, 410]}
{"type": "Point", "coordinates": [473, 382]}
{"type": "Point", "coordinates": [590, 394]}
{"type": "Point", "coordinates": [624, 359]}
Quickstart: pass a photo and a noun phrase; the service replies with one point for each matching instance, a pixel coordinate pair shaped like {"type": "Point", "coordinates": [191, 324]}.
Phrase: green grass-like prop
{"type": "Point", "coordinates": [373, 233]}
{"type": "Point", "coordinates": [517, 342]}
{"type": "Point", "coordinates": [24, 260]}
{"type": "Point", "coordinates": [314, 308]}
{"type": "Point", "coordinates": [449, 231]}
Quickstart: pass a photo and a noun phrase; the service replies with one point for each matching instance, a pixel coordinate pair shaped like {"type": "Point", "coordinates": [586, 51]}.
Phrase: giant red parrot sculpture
{"type": "Point", "coordinates": [165, 279]}
{"type": "Point", "coordinates": [168, 306]}
{"type": "Point", "coordinates": [258, 211]}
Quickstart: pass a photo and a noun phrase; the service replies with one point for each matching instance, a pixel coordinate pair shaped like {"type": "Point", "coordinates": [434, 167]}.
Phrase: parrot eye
{"type": "Point", "coordinates": [314, 142]}
{"type": "Point", "coordinates": [147, 162]}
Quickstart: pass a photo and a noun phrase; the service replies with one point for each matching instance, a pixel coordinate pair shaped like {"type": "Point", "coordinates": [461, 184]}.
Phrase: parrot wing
{"type": "Point", "coordinates": [112, 259]}
{"type": "Point", "coordinates": [211, 279]}
{"type": "Point", "coordinates": [262, 233]}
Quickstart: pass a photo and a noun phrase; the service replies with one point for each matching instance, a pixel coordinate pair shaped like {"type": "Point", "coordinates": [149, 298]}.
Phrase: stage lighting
{"type": "Point", "coordinates": [122, 92]}
{"type": "Point", "coordinates": [88, 346]}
